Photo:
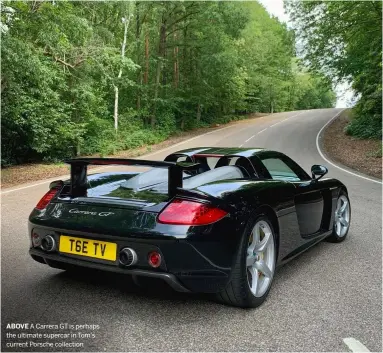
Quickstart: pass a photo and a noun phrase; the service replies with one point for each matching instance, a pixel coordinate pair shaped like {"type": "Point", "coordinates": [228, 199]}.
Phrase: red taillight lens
{"type": "Point", "coordinates": [193, 213]}
{"type": "Point", "coordinates": [47, 198]}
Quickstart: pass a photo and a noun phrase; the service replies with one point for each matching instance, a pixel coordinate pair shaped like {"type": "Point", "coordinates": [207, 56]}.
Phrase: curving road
{"type": "Point", "coordinates": [332, 292]}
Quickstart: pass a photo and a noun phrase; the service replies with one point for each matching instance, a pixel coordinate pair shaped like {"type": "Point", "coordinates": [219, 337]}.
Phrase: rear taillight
{"type": "Point", "coordinates": [185, 212]}
{"type": "Point", "coordinates": [47, 198]}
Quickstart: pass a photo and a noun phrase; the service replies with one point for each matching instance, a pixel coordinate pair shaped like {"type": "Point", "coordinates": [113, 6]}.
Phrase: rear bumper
{"type": "Point", "coordinates": [200, 266]}
{"type": "Point", "coordinates": [196, 280]}
{"type": "Point", "coordinates": [170, 279]}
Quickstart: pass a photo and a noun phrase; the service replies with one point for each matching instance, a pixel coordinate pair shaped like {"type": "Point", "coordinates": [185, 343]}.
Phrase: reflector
{"type": "Point", "coordinates": [154, 259]}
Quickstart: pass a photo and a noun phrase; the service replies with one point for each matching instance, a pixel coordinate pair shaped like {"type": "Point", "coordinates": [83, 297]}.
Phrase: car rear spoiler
{"type": "Point", "coordinates": [78, 171]}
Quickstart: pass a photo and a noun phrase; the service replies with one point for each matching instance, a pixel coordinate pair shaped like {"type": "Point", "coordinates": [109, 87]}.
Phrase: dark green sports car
{"type": "Point", "coordinates": [211, 220]}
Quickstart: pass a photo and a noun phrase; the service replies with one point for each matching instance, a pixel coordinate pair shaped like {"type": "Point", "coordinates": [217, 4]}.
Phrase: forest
{"type": "Point", "coordinates": [84, 77]}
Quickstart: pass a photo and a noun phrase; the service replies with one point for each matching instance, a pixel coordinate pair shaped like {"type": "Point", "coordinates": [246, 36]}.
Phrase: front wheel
{"type": "Point", "coordinates": [342, 219]}
{"type": "Point", "coordinates": [253, 272]}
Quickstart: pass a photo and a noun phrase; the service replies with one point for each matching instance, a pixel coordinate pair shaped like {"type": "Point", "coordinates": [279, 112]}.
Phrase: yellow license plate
{"type": "Point", "coordinates": [88, 247]}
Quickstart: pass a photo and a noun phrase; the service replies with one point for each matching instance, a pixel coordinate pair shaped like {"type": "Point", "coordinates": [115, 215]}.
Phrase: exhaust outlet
{"type": "Point", "coordinates": [128, 257]}
{"type": "Point", "coordinates": [48, 243]}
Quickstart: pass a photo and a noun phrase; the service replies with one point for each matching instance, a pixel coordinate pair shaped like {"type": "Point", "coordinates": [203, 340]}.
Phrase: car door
{"type": "Point", "coordinates": [308, 198]}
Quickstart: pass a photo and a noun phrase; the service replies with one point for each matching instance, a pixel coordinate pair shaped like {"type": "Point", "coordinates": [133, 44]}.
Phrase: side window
{"type": "Point", "coordinates": [278, 169]}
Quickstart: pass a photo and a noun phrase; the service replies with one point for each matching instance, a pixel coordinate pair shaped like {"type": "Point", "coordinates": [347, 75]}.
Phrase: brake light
{"type": "Point", "coordinates": [47, 198]}
{"type": "Point", "coordinates": [185, 212]}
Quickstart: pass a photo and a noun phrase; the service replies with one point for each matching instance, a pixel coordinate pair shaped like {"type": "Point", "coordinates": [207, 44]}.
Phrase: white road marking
{"type": "Point", "coordinates": [288, 118]}
{"type": "Point", "coordinates": [276, 123]}
{"type": "Point", "coordinates": [252, 137]}
{"type": "Point", "coordinates": [333, 164]}
{"type": "Point", "coordinates": [272, 126]}
{"type": "Point", "coordinates": [355, 345]}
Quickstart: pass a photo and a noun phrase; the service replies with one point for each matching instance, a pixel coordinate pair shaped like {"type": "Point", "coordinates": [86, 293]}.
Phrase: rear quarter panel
{"type": "Point", "coordinates": [249, 197]}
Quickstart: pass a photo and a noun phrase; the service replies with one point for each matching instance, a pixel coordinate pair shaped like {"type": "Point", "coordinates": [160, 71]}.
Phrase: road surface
{"type": "Point", "coordinates": [332, 292]}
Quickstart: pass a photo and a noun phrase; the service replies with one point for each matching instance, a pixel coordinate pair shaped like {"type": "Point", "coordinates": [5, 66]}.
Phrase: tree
{"type": "Point", "coordinates": [343, 40]}
{"type": "Point", "coordinates": [75, 72]}
{"type": "Point", "coordinates": [126, 21]}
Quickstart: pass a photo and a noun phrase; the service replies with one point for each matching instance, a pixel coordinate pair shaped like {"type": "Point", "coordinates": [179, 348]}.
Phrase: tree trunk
{"type": "Point", "coordinates": [198, 113]}
{"type": "Point", "coordinates": [176, 71]}
{"type": "Point", "coordinates": [146, 76]}
{"type": "Point", "coordinates": [138, 42]}
{"type": "Point", "coordinates": [116, 108]}
{"type": "Point", "coordinates": [161, 56]}
{"type": "Point", "coordinates": [184, 55]}
{"type": "Point", "coordinates": [126, 25]}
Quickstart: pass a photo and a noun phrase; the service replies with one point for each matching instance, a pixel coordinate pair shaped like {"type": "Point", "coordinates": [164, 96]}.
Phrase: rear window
{"type": "Point", "coordinates": [127, 185]}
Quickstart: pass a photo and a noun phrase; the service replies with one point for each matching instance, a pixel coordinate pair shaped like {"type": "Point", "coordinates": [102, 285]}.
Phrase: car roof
{"type": "Point", "coordinates": [221, 151]}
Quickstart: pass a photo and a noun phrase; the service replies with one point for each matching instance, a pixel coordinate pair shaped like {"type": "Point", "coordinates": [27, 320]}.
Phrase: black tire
{"type": "Point", "coordinates": [237, 292]}
{"type": "Point", "coordinates": [334, 237]}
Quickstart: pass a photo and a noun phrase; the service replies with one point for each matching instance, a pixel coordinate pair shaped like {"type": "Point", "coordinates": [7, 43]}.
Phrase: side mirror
{"type": "Point", "coordinates": [318, 171]}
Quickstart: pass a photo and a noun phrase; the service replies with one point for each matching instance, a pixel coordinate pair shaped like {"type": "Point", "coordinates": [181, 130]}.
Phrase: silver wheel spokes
{"type": "Point", "coordinates": [342, 216]}
{"type": "Point", "coordinates": [260, 260]}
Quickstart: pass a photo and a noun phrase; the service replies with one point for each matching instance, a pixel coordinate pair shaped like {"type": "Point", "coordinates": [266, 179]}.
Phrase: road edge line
{"type": "Point", "coordinates": [333, 163]}
{"type": "Point", "coordinates": [355, 345]}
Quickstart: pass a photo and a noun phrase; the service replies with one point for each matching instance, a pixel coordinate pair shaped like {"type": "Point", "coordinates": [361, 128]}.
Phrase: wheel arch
{"type": "Point", "coordinates": [269, 212]}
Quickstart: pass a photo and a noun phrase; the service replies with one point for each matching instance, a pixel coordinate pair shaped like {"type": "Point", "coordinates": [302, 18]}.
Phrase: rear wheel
{"type": "Point", "coordinates": [342, 219]}
{"type": "Point", "coordinates": [253, 272]}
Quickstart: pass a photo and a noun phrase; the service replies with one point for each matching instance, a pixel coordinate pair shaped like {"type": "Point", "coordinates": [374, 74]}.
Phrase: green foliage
{"type": "Point", "coordinates": [185, 65]}
{"type": "Point", "coordinates": [343, 40]}
{"type": "Point", "coordinates": [364, 125]}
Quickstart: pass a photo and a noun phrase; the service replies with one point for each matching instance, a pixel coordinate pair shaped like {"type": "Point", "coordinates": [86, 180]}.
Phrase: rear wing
{"type": "Point", "coordinates": [79, 166]}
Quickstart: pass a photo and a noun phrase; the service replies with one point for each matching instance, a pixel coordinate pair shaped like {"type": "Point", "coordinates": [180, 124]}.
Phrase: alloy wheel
{"type": "Point", "coordinates": [260, 260]}
{"type": "Point", "coordinates": [342, 216]}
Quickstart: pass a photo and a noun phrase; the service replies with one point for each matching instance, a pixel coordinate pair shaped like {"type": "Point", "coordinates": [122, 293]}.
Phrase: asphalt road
{"type": "Point", "coordinates": [329, 293]}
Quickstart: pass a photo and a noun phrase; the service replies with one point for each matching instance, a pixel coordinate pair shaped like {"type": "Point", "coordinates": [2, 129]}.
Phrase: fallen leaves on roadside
{"type": "Point", "coordinates": [354, 153]}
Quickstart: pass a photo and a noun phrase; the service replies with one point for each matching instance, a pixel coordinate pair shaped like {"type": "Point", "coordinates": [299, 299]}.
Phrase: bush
{"type": "Point", "coordinates": [365, 127]}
